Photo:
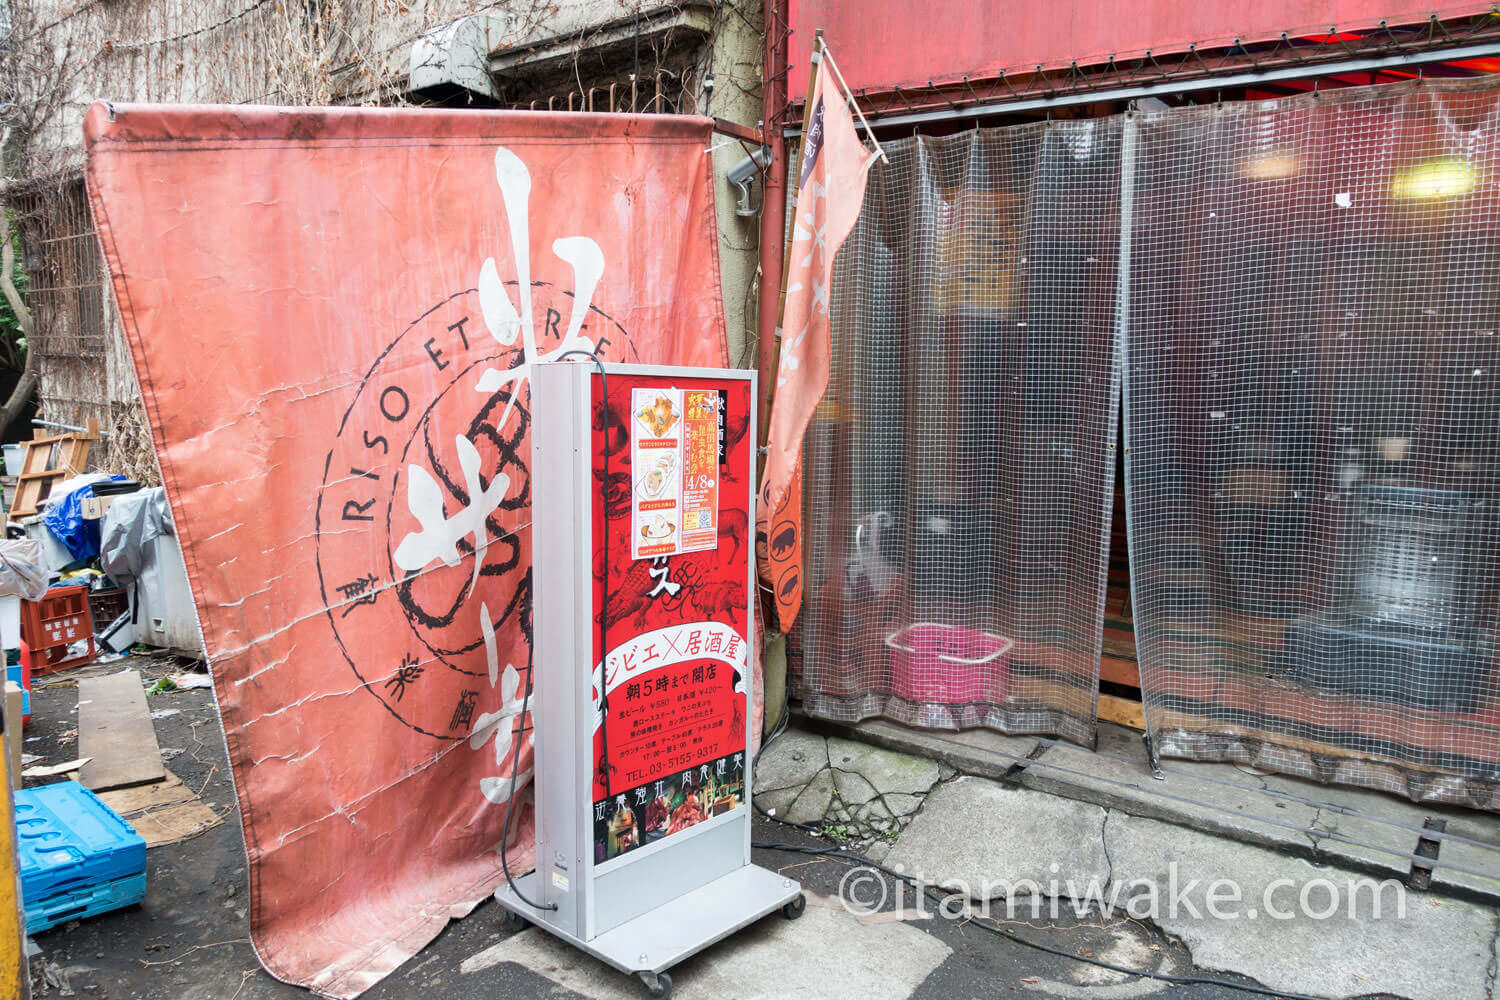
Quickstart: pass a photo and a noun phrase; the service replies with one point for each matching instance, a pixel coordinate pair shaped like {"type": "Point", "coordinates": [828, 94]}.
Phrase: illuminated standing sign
{"type": "Point", "coordinates": [644, 506]}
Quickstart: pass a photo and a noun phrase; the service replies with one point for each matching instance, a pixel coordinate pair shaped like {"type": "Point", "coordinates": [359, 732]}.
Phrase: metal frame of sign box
{"type": "Point", "coordinates": [645, 911]}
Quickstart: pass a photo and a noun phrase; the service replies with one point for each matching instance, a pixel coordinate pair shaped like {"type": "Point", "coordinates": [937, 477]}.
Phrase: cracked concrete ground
{"type": "Point", "coordinates": [1043, 853]}
{"type": "Point", "coordinates": [1302, 928]}
{"type": "Point", "coordinates": [837, 956]}
{"type": "Point", "coordinates": [1334, 824]}
{"type": "Point", "coordinates": [983, 838]}
{"type": "Point", "coordinates": [1493, 988]}
{"type": "Point", "coordinates": [858, 794]}
{"type": "Point", "coordinates": [1075, 833]}
{"type": "Point", "coordinates": [1349, 827]}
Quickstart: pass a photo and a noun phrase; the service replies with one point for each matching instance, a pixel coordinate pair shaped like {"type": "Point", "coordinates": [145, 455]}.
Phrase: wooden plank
{"type": "Point", "coordinates": [1169, 719]}
{"type": "Point", "coordinates": [1472, 734]}
{"type": "Point", "coordinates": [1119, 671]}
{"type": "Point", "coordinates": [53, 770]}
{"type": "Point", "coordinates": [13, 696]}
{"type": "Point", "coordinates": [170, 824]}
{"type": "Point", "coordinates": [1122, 712]}
{"type": "Point", "coordinates": [48, 460]}
{"type": "Point", "coordinates": [163, 812]}
{"type": "Point", "coordinates": [139, 798]}
{"type": "Point", "coordinates": [114, 728]}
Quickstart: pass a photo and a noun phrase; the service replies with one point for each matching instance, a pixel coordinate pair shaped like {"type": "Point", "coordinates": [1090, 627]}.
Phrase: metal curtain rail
{"type": "Point", "coordinates": [1241, 79]}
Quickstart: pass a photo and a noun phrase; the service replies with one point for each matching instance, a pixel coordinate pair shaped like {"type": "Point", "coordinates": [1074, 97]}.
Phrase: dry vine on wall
{"type": "Point", "coordinates": [60, 57]}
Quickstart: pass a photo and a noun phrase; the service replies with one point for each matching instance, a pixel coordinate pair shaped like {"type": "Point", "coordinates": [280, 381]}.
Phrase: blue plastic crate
{"type": "Point", "coordinates": [85, 902]}
{"type": "Point", "coordinates": [68, 840]}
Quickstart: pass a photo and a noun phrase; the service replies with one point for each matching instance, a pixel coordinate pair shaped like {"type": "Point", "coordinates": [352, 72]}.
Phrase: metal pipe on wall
{"type": "Point", "coordinates": [773, 200]}
{"type": "Point", "coordinates": [772, 236]}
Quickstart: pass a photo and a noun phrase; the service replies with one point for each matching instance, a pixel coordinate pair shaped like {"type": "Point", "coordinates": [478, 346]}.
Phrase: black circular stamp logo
{"type": "Point", "coordinates": [423, 516]}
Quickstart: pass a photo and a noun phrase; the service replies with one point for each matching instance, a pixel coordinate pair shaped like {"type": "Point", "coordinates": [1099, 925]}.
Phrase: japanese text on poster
{"type": "Point", "coordinates": [674, 453]}
{"type": "Point", "coordinates": [676, 731]}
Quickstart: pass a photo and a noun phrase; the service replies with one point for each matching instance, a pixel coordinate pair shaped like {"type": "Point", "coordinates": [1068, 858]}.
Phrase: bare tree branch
{"type": "Point", "coordinates": [26, 385]}
{"type": "Point", "coordinates": [8, 275]}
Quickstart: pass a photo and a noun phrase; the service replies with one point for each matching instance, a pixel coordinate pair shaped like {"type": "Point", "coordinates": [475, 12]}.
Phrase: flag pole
{"type": "Point", "coordinates": [849, 96]}
{"type": "Point", "coordinates": [775, 673]}
{"type": "Point", "coordinates": [794, 172]}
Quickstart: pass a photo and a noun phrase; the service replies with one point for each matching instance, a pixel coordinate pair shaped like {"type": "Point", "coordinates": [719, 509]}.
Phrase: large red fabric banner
{"type": "Point", "coordinates": [333, 314]}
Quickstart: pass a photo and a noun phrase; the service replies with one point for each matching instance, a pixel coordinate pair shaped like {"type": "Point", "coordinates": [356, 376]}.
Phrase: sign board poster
{"type": "Point", "coordinates": [677, 610]}
{"type": "Point", "coordinates": [675, 454]}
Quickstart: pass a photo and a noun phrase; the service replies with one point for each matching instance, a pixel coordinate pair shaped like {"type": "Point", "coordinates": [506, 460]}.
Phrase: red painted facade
{"type": "Point", "coordinates": [882, 44]}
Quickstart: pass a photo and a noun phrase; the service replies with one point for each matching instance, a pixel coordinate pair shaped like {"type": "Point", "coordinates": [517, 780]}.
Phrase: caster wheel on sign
{"type": "Point", "coordinates": [515, 923]}
{"type": "Point", "coordinates": [657, 987]}
{"type": "Point", "coordinates": [794, 909]}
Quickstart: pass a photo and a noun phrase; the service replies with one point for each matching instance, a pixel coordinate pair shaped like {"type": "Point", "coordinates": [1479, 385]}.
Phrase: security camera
{"type": "Point", "coordinates": [743, 173]}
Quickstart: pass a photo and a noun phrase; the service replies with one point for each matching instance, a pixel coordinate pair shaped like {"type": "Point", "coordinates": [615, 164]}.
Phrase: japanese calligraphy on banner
{"type": "Point", "coordinates": [675, 674]}
{"type": "Point", "coordinates": [333, 315]}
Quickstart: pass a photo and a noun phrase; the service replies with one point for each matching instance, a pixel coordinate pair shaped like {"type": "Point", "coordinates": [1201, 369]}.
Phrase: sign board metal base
{"type": "Point", "coordinates": [643, 575]}
{"type": "Point", "coordinates": [656, 941]}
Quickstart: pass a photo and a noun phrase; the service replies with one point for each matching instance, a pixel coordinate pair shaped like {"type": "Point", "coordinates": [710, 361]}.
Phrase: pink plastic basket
{"type": "Point", "coordinates": [949, 664]}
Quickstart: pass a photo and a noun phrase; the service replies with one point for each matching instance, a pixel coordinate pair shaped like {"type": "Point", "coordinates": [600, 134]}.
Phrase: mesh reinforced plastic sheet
{"type": "Point", "coordinates": [960, 470]}
{"type": "Point", "coordinates": [1313, 420]}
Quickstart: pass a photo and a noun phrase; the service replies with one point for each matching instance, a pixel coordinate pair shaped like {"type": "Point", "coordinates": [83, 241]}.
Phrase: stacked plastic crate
{"type": "Point", "coordinates": [57, 632]}
{"type": "Point", "coordinates": [78, 858]}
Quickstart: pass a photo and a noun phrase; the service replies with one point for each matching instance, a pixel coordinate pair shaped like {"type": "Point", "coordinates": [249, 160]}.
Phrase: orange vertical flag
{"type": "Point", "coordinates": [830, 190]}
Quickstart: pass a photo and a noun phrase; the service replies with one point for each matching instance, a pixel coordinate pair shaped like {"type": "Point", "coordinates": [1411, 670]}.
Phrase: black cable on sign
{"type": "Point", "coordinates": [515, 763]}
{"type": "Point", "coordinates": [515, 759]}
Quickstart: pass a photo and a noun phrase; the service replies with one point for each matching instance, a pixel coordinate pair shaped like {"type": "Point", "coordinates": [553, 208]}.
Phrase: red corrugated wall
{"type": "Point", "coordinates": [882, 44]}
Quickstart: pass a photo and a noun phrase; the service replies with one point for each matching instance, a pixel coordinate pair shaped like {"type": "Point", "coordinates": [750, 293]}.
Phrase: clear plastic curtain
{"type": "Point", "coordinates": [1314, 431]}
{"type": "Point", "coordinates": [960, 470]}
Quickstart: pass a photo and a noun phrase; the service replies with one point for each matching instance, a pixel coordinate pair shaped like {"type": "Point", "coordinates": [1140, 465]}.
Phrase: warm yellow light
{"type": "Point", "coordinates": [1272, 166]}
{"type": "Point", "coordinates": [1448, 177]}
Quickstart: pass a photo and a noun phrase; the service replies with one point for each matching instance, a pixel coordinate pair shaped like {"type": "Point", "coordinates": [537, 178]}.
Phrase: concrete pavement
{"type": "Point", "coordinates": [1320, 873]}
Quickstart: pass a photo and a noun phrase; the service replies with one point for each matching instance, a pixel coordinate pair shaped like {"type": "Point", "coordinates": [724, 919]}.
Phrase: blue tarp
{"type": "Point", "coordinates": [64, 518]}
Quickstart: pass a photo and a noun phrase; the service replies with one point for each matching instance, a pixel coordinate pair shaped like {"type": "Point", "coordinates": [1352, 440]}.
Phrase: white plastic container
{"type": "Point", "coordinates": [10, 622]}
